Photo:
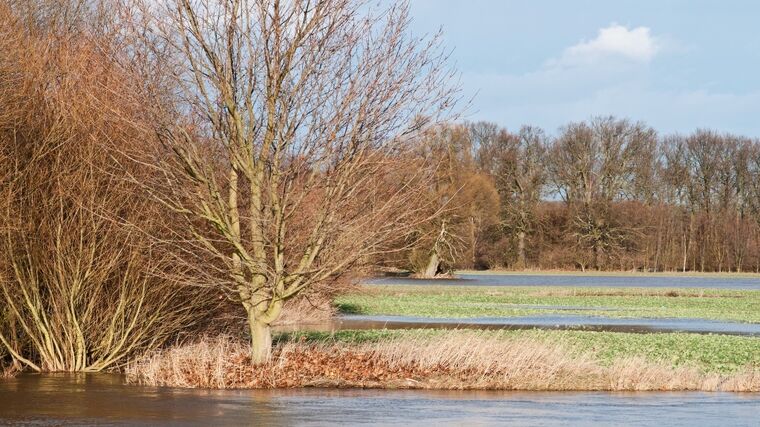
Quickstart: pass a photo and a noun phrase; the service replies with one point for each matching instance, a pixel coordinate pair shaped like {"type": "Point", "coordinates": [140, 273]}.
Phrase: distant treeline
{"type": "Point", "coordinates": [606, 194]}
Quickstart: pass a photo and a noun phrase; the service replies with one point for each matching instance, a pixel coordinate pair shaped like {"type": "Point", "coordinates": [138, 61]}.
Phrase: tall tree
{"type": "Point", "coordinates": [593, 165]}
{"type": "Point", "coordinates": [461, 201]}
{"type": "Point", "coordinates": [293, 121]}
{"type": "Point", "coordinates": [517, 164]}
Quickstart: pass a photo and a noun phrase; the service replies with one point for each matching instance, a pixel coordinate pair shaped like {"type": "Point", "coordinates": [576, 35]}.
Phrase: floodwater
{"type": "Point", "coordinates": [727, 283]}
{"type": "Point", "coordinates": [49, 400]}
{"type": "Point", "coordinates": [552, 322]}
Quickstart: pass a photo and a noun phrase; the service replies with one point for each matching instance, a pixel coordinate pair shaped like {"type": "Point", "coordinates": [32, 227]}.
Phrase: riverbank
{"type": "Point", "coordinates": [503, 360]}
{"type": "Point", "coordinates": [516, 360]}
{"type": "Point", "coordinates": [7, 372]}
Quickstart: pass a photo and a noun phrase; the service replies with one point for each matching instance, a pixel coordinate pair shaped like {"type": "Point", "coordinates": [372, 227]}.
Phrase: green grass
{"type": "Point", "coordinates": [711, 353]}
{"type": "Point", "coordinates": [464, 301]}
{"type": "Point", "coordinates": [722, 353]}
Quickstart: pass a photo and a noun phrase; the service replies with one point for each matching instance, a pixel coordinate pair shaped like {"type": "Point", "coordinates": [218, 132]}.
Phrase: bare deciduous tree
{"type": "Point", "coordinates": [517, 163]}
{"type": "Point", "coordinates": [593, 165]}
{"type": "Point", "coordinates": [294, 121]}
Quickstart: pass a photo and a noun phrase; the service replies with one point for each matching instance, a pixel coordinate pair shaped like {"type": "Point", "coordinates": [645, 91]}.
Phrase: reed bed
{"type": "Point", "coordinates": [461, 360]}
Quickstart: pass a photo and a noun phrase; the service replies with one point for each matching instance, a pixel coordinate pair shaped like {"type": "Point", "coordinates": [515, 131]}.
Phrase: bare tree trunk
{"type": "Point", "coordinates": [597, 256]}
{"type": "Point", "coordinates": [687, 241]}
{"type": "Point", "coordinates": [521, 250]}
{"type": "Point", "coordinates": [261, 339]}
{"type": "Point", "coordinates": [474, 243]}
{"type": "Point", "coordinates": [432, 267]}
{"type": "Point", "coordinates": [659, 245]}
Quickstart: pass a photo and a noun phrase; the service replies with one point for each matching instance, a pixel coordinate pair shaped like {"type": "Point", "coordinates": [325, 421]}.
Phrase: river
{"type": "Point", "coordinates": [102, 399]}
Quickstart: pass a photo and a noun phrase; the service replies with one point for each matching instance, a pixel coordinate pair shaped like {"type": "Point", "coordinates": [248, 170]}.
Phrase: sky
{"type": "Point", "coordinates": [677, 65]}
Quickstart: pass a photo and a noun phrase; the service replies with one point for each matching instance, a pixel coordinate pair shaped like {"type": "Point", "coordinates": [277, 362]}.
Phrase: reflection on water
{"type": "Point", "coordinates": [735, 283]}
{"type": "Point", "coordinates": [47, 400]}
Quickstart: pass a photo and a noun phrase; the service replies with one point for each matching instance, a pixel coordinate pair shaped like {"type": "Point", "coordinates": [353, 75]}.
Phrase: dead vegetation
{"type": "Point", "coordinates": [455, 361]}
{"type": "Point", "coordinates": [8, 371]}
{"type": "Point", "coordinates": [82, 286]}
{"type": "Point", "coordinates": [307, 310]}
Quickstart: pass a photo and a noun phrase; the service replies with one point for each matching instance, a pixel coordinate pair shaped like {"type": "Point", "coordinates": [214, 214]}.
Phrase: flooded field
{"type": "Point", "coordinates": [103, 399]}
{"type": "Point", "coordinates": [557, 322]}
{"type": "Point", "coordinates": [48, 400]}
{"type": "Point", "coordinates": [717, 282]}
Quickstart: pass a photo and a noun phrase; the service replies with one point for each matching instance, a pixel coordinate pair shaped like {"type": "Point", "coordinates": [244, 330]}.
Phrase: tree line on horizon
{"type": "Point", "coordinates": [604, 194]}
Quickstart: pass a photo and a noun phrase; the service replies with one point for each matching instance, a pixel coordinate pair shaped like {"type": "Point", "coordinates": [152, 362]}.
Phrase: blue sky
{"type": "Point", "coordinates": [675, 64]}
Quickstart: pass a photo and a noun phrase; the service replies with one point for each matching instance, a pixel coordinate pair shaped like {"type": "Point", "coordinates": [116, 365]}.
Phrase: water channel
{"type": "Point", "coordinates": [102, 399]}
{"type": "Point", "coordinates": [551, 322]}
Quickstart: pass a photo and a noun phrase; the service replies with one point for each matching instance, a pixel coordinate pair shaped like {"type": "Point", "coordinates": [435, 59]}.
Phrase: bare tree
{"type": "Point", "coordinates": [441, 242]}
{"type": "Point", "coordinates": [517, 164]}
{"type": "Point", "coordinates": [295, 117]}
{"type": "Point", "coordinates": [593, 165]}
{"type": "Point", "coordinates": [676, 190]}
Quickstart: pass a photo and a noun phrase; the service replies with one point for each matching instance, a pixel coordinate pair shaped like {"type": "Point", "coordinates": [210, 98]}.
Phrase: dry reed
{"type": "Point", "coordinates": [463, 360]}
{"type": "Point", "coordinates": [307, 310]}
{"type": "Point", "coordinates": [7, 373]}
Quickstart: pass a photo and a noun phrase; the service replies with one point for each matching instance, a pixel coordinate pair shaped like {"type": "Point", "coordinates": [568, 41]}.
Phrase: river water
{"type": "Point", "coordinates": [716, 282]}
{"type": "Point", "coordinates": [102, 399]}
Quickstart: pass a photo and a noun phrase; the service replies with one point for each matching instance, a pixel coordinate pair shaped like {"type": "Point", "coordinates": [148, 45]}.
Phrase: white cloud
{"type": "Point", "coordinates": [610, 74]}
{"type": "Point", "coordinates": [635, 44]}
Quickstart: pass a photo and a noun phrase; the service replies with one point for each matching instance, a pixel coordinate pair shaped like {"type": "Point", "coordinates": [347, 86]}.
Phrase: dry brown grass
{"type": "Point", "coordinates": [464, 360]}
{"type": "Point", "coordinates": [7, 372]}
{"type": "Point", "coordinates": [307, 310]}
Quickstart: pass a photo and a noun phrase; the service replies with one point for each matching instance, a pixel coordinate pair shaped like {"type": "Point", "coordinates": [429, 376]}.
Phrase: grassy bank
{"type": "Point", "coordinates": [709, 353]}
{"type": "Point", "coordinates": [527, 360]}
{"type": "Point", "coordinates": [477, 301]}
{"type": "Point", "coordinates": [511, 360]}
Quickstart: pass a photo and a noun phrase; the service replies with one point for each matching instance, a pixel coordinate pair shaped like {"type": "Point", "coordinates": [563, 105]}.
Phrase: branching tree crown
{"type": "Point", "coordinates": [293, 122]}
